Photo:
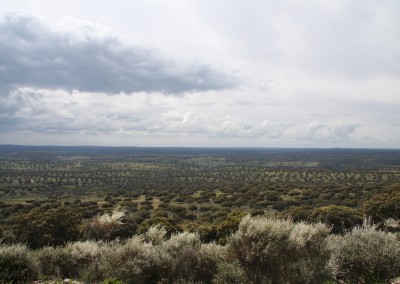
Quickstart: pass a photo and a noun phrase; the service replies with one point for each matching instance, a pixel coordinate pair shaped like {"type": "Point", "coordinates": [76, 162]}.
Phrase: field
{"type": "Point", "coordinates": [192, 188]}
{"type": "Point", "coordinates": [199, 215]}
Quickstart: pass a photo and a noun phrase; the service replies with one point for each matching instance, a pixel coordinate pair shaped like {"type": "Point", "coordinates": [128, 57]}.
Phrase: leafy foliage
{"type": "Point", "coordinates": [54, 226]}
{"type": "Point", "coordinates": [341, 218]}
{"type": "Point", "coordinates": [385, 205]}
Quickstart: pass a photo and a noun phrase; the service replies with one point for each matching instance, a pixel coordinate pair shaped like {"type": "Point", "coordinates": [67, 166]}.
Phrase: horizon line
{"type": "Point", "coordinates": [203, 147]}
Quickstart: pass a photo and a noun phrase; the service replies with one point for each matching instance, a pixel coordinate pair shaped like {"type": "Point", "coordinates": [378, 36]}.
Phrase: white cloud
{"type": "Point", "coordinates": [49, 112]}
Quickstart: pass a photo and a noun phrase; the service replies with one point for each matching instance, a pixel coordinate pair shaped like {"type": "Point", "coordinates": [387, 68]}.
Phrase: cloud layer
{"type": "Point", "coordinates": [34, 55]}
{"type": "Point", "coordinates": [157, 117]}
{"type": "Point", "coordinates": [261, 73]}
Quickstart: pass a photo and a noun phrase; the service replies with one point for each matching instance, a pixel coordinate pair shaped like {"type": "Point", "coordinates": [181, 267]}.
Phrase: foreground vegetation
{"type": "Point", "coordinates": [263, 249]}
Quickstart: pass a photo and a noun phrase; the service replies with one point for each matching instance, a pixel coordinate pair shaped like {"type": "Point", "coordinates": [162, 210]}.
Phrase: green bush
{"type": "Point", "coordinates": [42, 227]}
{"type": "Point", "coordinates": [384, 205]}
{"type": "Point", "coordinates": [341, 218]}
{"type": "Point", "coordinates": [17, 264]}
{"type": "Point", "coordinates": [364, 255]}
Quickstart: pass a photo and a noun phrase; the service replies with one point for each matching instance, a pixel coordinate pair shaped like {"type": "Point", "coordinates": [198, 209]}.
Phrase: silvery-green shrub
{"type": "Point", "coordinates": [155, 235]}
{"type": "Point", "coordinates": [182, 255]}
{"type": "Point", "coordinates": [132, 261]}
{"type": "Point", "coordinates": [17, 264]}
{"type": "Point", "coordinates": [210, 256]}
{"type": "Point", "coordinates": [102, 227]}
{"type": "Point", "coordinates": [261, 246]}
{"type": "Point", "coordinates": [311, 254]}
{"type": "Point", "coordinates": [273, 250]}
{"type": "Point", "coordinates": [364, 255]}
{"type": "Point", "coordinates": [230, 272]}
{"type": "Point", "coordinates": [77, 259]}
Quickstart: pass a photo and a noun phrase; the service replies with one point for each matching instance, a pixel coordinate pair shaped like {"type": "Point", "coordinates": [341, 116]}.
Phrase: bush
{"type": "Point", "coordinates": [47, 261]}
{"type": "Point", "coordinates": [41, 227]}
{"type": "Point", "coordinates": [309, 245]}
{"type": "Point", "coordinates": [384, 205]}
{"type": "Point", "coordinates": [341, 218]}
{"type": "Point", "coordinates": [261, 246]}
{"type": "Point", "coordinates": [262, 250]}
{"type": "Point", "coordinates": [104, 227]}
{"type": "Point", "coordinates": [155, 235]}
{"type": "Point", "coordinates": [230, 272]}
{"type": "Point", "coordinates": [209, 258]}
{"type": "Point", "coordinates": [133, 261]}
{"type": "Point", "coordinates": [76, 260]}
{"type": "Point", "coordinates": [182, 252]}
{"type": "Point", "coordinates": [272, 250]}
{"type": "Point", "coordinates": [364, 255]}
{"type": "Point", "coordinates": [17, 264]}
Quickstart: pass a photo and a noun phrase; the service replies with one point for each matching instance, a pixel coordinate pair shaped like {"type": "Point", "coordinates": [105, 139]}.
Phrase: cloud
{"type": "Point", "coordinates": [342, 38]}
{"type": "Point", "coordinates": [92, 59]}
{"type": "Point", "coordinates": [317, 132]}
{"type": "Point", "coordinates": [158, 120]}
{"type": "Point", "coordinates": [151, 115]}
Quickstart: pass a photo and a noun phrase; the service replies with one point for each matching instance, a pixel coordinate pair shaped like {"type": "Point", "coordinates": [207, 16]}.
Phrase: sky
{"type": "Point", "coordinates": [200, 73]}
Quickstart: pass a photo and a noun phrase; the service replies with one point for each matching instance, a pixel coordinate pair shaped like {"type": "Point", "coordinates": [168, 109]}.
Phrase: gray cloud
{"type": "Point", "coordinates": [324, 38]}
{"type": "Point", "coordinates": [32, 54]}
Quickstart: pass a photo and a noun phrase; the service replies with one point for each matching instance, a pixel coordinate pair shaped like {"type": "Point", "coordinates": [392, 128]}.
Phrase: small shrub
{"type": "Point", "coordinates": [309, 244]}
{"type": "Point", "coordinates": [47, 227]}
{"type": "Point", "coordinates": [103, 227]}
{"type": "Point", "coordinates": [341, 218]}
{"type": "Point", "coordinates": [214, 266]}
{"type": "Point", "coordinates": [133, 261]}
{"type": "Point", "coordinates": [76, 260]}
{"type": "Point", "coordinates": [209, 258]}
{"type": "Point", "coordinates": [272, 250]}
{"type": "Point", "coordinates": [230, 272]}
{"type": "Point", "coordinates": [17, 264]}
{"type": "Point", "coordinates": [261, 246]}
{"type": "Point", "coordinates": [364, 255]}
{"type": "Point", "coordinates": [155, 235]}
{"type": "Point", "coordinates": [46, 257]}
{"type": "Point", "coordinates": [392, 225]}
{"type": "Point", "coordinates": [181, 251]}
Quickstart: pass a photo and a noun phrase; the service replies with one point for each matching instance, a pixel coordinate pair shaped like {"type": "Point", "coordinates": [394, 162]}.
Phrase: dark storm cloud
{"type": "Point", "coordinates": [31, 54]}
